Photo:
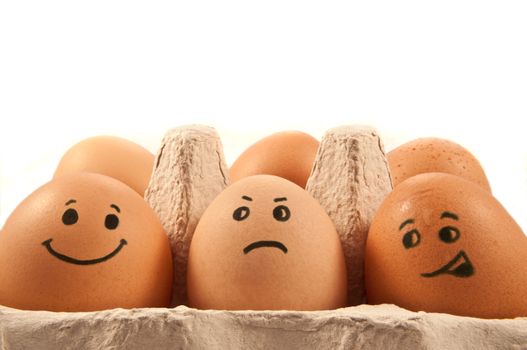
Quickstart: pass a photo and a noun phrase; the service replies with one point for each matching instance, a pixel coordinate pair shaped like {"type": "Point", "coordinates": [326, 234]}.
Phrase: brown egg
{"type": "Point", "coordinates": [84, 242]}
{"type": "Point", "coordinates": [112, 156]}
{"type": "Point", "coordinates": [265, 244]}
{"type": "Point", "coordinates": [429, 155]}
{"type": "Point", "coordinates": [288, 154]}
{"type": "Point", "coordinates": [440, 243]}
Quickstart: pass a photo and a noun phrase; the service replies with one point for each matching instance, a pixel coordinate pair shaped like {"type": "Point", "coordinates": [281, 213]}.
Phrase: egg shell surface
{"type": "Point", "coordinates": [440, 243]}
{"type": "Point", "coordinates": [429, 155]}
{"type": "Point", "coordinates": [288, 154]}
{"type": "Point", "coordinates": [116, 157]}
{"type": "Point", "coordinates": [84, 242]}
{"type": "Point", "coordinates": [265, 244]}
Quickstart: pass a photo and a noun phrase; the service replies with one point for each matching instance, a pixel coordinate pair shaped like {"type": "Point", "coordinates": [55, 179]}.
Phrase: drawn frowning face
{"type": "Point", "coordinates": [264, 243]}
{"type": "Point", "coordinates": [280, 213]}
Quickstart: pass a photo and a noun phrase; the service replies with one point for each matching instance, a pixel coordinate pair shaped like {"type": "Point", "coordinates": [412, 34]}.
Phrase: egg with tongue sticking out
{"type": "Point", "coordinates": [440, 243]}
{"type": "Point", "coordinates": [265, 244]}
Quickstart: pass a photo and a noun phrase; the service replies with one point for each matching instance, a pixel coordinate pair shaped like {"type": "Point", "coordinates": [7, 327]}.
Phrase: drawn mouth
{"type": "Point", "coordinates": [261, 244]}
{"type": "Point", "coordinates": [68, 259]}
{"type": "Point", "coordinates": [460, 266]}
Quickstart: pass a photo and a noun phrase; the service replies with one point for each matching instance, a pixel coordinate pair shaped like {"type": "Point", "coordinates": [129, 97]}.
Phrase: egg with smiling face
{"type": "Point", "coordinates": [84, 242]}
{"type": "Point", "coordinates": [440, 243]}
{"type": "Point", "coordinates": [265, 244]}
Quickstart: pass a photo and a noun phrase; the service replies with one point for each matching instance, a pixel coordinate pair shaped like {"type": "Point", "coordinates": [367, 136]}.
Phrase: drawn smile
{"type": "Point", "coordinates": [463, 269]}
{"type": "Point", "coordinates": [261, 244]}
{"type": "Point", "coordinates": [68, 259]}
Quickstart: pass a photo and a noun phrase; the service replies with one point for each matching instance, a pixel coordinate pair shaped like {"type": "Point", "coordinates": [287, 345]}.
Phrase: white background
{"type": "Point", "coordinates": [71, 69]}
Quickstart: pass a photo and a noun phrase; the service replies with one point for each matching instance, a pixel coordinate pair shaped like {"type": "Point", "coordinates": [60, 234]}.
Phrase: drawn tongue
{"type": "Point", "coordinates": [465, 269]}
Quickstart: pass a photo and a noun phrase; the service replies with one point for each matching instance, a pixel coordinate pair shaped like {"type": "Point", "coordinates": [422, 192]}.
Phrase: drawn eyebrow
{"type": "Point", "coordinates": [280, 199]}
{"type": "Point", "coordinates": [70, 201]}
{"type": "Point", "coordinates": [247, 198]}
{"type": "Point", "coordinates": [115, 207]}
{"type": "Point", "coordinates": [447, 214]}
{"type": "Point", "coordinates": [406, 222]}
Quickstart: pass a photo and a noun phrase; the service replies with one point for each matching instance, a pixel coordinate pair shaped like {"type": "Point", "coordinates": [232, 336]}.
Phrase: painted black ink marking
{"type": "Point", "coordinates": [70, 216]}
{"type": "Point", "coordinates": [241, 213]}
{"type": "Point", "coordinates": [247, 198]}
{"type": "Point", "coordinates": [111, 221]}
{"type": "Point", "coordinates": [281, 213]}
{"type": "Point", "coordinates": [447, 214]}
{"type": "Point", "coordinates": [280, 199]}
{"type": "Point", "coordinates": [464, 269]}
{"type": "Point", "coordinates": [261, 244]}
{"type": "Point", "coordinates": [68, 259]}
{"type": "Point", "coordinates": [70, 201]}
{"type": "Point", "coordinates": [449, 234]}
{"type": "Point", "coordinates": [411, 239]}
{"type": "Point", "coordinates": [406, 222]}
{"type": "Point", "coordinates": [115, 207]}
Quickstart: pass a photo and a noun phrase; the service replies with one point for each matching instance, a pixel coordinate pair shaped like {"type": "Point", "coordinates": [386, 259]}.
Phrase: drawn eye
{"type": "Point", "coordinates": [111, 221]}
{"type": "Point", "coordinates": [241, 213]}
{"type": "Point", "coordinates": [449, 234]}
{"type": "Point", "coordinates": [70, 217]}
{"type": "Point", "coordinates": [281, 213]}
{"type": "Point", "coordinates": [411, 239]}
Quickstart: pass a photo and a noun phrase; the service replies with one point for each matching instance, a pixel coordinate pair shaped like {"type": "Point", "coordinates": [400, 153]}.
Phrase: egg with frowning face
{"type": "Point", "coordinates": [265, 243]}
{"type": "Point", "coordinates": [84, 242]}
{"type": "Point", "coordinates": [440, 243]}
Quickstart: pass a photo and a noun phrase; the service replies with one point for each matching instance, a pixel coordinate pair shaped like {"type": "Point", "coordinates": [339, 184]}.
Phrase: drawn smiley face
{"type": "Point", "coordinates": [265, 243]}
{"type": "Point", "coordinates": [84, 242]}
{"type": "Point", "coordinates": [71, 217]}
{"type": "Point", "coordinates": [460, 265]}
{"type": "Point", "coordinates": [281, 213]}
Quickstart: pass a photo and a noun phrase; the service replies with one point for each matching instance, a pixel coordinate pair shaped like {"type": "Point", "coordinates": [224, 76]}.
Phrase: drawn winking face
{"type": "Point", "coordinates": [440, 243]}
{"type": "Point", "coordinates": [460, 265]}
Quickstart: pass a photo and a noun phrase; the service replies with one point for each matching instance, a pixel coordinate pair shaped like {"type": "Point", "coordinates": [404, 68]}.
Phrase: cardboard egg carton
{"type": "Point", "coordinates": [350, 178]}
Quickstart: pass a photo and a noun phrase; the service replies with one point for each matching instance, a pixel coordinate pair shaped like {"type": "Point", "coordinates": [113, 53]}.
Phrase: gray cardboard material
{"type": "Point", "coordinates": [189, 172]}
{"type": "Point", "coordinates": [350, 178]}
{"type": "Point", "coordinates": [359, 327]}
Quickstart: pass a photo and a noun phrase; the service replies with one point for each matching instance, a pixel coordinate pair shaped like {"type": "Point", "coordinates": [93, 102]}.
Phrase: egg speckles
{"type": "Point", "coordinates": [264, 243]}
{"type": "Point", "coordinates": [84, 242]}
{"type": "Point", "coordinates": [428, 155]}
{"type": "Point", "coordinates": [440, 243]}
